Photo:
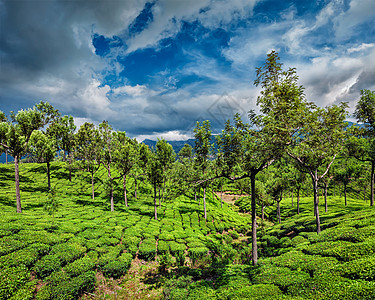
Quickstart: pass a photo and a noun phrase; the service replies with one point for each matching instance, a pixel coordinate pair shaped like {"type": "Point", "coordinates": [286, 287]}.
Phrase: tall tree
{"type": "Point", "coordinates": [317, 144]}
{"type": "Point", "coordinates": [44, 148]}
{"type": "Point", "coordinates": [125, 157]}
{"type": "Point", "coordinates": [63, 130]}
{"type": "Point", "coordinates": [166, 156]}
{"type": "Point", "coordinates": [155, 175]}
{"type": "Point", "coordinates": [364, 148]}
{"type": "Point", "coordinates": [15, 135]}
{"type": "Point", "coordinates": [87, 151]}
{"type": "Point", "coordinates": [203, 147]}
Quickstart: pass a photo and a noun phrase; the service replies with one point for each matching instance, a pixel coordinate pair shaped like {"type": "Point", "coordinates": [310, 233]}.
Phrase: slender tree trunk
{"type": "Point", "coordinates": [253, 221]}
{"type": "Point", "coordinates": [221, 196]}
{"type": "Point", "coordinates": [298, 192]}
{"type": "Point", "coordinates": [92, 186]}
{"type": "Point", "coordinates": [155, 206]}
{"type": "Point", "coordinates": [70, 167]}
{"type": "Point", "coordinates": [159, 198]}
{"type": "Point", "coordinates": [6, 156]}
{"type": "Point", "coordinates": [125, 197]}
{"type": "Point", "coordinates": [162, 195]}
{"type": "Point", "coordinates": [263, 212]}
{"type": "Point", "coordinates": [364, 193]}
{"type": "Point", "coordinates": [372, 182]}
{"type": "Point", "coordinates": [325, 197]}
{"type": "Point", "coordinates": [48, 175]}
{"type": "Point", "coordinates": [278, 212]}
{"type": "Point", "coordinates": [195, 194]}
{"type": "Point", "coordinates": [346, 202]}
{"type": "Point", "coordinates": [111, 191]}
{"type": "Point", "coordinates": [292, 198]}
{"type": "Point", "coordinates": [204, 203]}
{"type": "Point", "coordinates": [64, 155]}
{"type": "Point", "coordinates": [17, 179]}
{"type": "Point", "coordinates": [316, 201]}
{"type": "Point", "coordinates": [135, 187]}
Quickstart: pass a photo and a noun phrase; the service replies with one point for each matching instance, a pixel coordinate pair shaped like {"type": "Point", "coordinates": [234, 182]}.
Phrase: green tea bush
{"type": "Point", "coordinates": [80, 266]}
{"type": "Point", "coordinates": [47, 264]}
{"type": "Point", "coordinates": [297, 260]}
{"type": "Point", "coordinates": [329, 286]}
{"type": "Point", "coordinates": [26, 256]}
{"type": "Point", "coordinates": [176, 247]}
{"type": "Point", "coordinates": [256, 291]}
{"type": "Point", "coordinates": [163, 247]}
{"type": "Point", "coordinates": [68, 252]}
{"type": "Point", "coordinates": [107, 240]}
{"type": "Point", "coordinates": [112, 253]}
{"type": "Point", "coordinates": [118, 267]}
{"type": "Point", "coordinates": [147, 249]}
{"type": "Point", "coordinates": [11, 279]}
{"type": "Point", "coordinates": [166, 236]}
{"type": "Point", "coordinates": [197, 253]}
{"type": "Point", "coordinates": [9, 244]}
{"type": "Point", "coordinates": [280, 276]}
{"type": "Point", "coordinates": [26, 292]}
{"type": "Point", "coordinates": [297, 240]}
{"type": "Point", "coordinates": [357, 269]}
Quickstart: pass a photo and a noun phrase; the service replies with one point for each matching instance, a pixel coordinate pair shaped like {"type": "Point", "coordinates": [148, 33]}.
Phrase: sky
{"type": "Point", "coordinates": [155, 68]}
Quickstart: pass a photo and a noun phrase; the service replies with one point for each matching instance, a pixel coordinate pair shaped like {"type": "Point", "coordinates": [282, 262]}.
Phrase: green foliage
{"type": "Point", "coordinates": [47, 264]}
{"type": "Point", "coordinates": [147, 250]}
{"type": "Point", "coordinates": [118, 267]}
{"type": "Point", "coordinates": [81, 265]}
{"type": "Point", "coordinates": [11, 279]}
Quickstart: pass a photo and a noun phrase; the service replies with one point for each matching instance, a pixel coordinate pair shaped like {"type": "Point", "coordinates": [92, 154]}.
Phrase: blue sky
{"type": "Point", "coordinates": [154, 68]}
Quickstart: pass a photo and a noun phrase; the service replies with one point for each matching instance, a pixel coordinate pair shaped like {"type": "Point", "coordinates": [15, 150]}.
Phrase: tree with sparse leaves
{"type": "Point", "coordinates": [15, 135]}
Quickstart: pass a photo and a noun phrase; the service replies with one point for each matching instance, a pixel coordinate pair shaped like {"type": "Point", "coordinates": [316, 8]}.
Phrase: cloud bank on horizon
{"type": "Point", "coordinates": [154, 68]}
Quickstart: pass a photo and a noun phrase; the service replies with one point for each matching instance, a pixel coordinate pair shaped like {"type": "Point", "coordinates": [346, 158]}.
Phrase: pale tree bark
{"type": "Point", "coordinates": [325, 197]}
{"type": "Point", "coordinates": [372, 182]}
{"type": "Point", "coordinates": [125, 197]}
{"type": "Point", "coordinates": [204, 203]}
{"type": "Point", "coordinates": [298, 198]}
{"type": "Point", "coordinates": [253, 221]}
{"type": "Point", "coordinates": [17, 180]}
{"type": "Point", "coordinates": [156, 212]}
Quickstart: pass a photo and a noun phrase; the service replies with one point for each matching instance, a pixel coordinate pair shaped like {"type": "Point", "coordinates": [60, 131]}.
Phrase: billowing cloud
{"type": "Point", "coordinates": [155, 68]}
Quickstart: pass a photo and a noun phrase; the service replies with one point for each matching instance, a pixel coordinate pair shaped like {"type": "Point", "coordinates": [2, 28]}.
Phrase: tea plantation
{"type": "Point", "coordinates": [84, 251]}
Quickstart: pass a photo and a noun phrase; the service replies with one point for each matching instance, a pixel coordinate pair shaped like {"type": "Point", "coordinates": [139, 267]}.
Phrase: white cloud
{"type": "Point", "coordinates": [360, 11]}
{"type": "Point", "coordinates": [173, 135]}
{"type": "Point", "coordinates": [133, 91]}
{"type": "Point", "coordinates": [361, 47]}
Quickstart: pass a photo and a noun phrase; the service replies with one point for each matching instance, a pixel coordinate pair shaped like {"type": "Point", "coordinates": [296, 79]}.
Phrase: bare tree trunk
{"type": "Point", "coordinates": [6, 156]}
{"type": "Point", "coordinates": [135, 187]}
{"type": "Point", "coordinates": [70, 167]}
{"type": "Point", "coordinates": [221, 196]}
{"type": "Point", "coordinates": [292, 198]}
{"type": "Point", "coordinates": [17, 179]}
{"type": "Point", "coordinates": [111, 191]}
{"type": "Point", "coordinates": [253, 221]}
{"type": "Point", "coordinates": [48, 175]}
{"type": "Point", "coordinates": [263, 212]}
{"type": "Point", "coordinates": [159, 198]}
{"type": "Point", "coordinates": [325, 197]}
{"type": "Point", "coordinates": [125, 197]}
{"type": "Point", "coordinates": [346, 202]}
{"type": "Point", "coordinates": [155, 206]}
{"type": "Point", "coordinates": [278, 211]}
{"type": "Point", "coordinates": [92, 186]}
{"type": "Point", "coordinates": [316, 201]}
{"type": "Point", "coordinates": [364, 193]}
{"type": "Point", "coordinates": [204, 203]}
{"type": "Point", "coordinates": [372, 182]}
{"type": "Point", "coordinates": [195, 194]}
{"type": "Point", "coordinates": [298, 191]}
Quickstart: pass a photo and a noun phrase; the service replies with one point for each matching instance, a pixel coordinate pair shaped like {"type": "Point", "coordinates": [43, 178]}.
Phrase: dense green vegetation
{"type": "Point", "coordinates": [67, 254]}
{"type": "Point", "coordinates": [110, 216]}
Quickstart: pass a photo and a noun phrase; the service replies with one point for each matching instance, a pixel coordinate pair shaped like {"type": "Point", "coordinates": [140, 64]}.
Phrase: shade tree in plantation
{"type": "Point", "coordinates": [87, 151]}
{"type": "Point", "coordinates": [318, 143]}
{"type": "Point", "coordinates": [155, 175]}
{"type": "Point", "coordinates": [15, 135]}
{"type": "Point", "coordinates": [63, 130]}
{"type": "Point", "coordinates": [185, 152]}
{"type": "Point", "coordinates": [109, 143]}
{"type": "Point", "coordinates": [166, 156]}
{"type": "Point", "coordinates": [347, 171]}
{"type": "Point", "coordinates": [202, 149]}
{"type": "Point", "coordinates": [125, 157]}
{"type": "Point", "coordinates": [43, 147]}
{"type": "Point", "coordinates": [362, 144]}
